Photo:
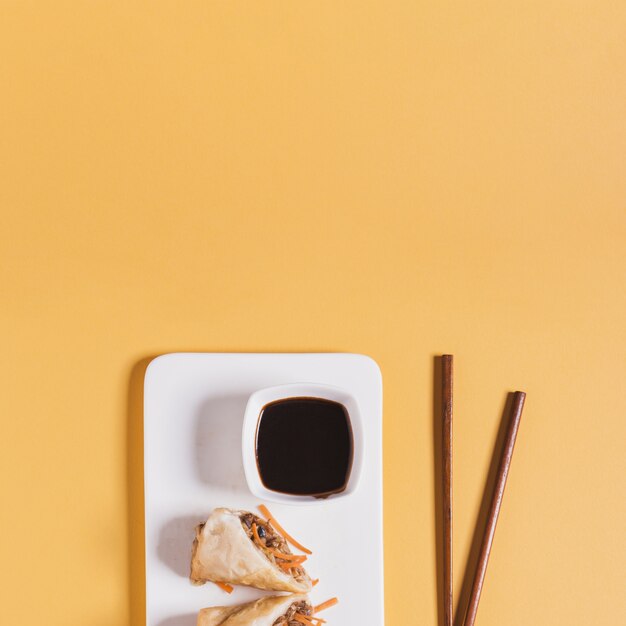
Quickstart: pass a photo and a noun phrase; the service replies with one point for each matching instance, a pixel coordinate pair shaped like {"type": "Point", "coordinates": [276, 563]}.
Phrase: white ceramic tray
{"type": "Point", "coordinates": [193, 413]}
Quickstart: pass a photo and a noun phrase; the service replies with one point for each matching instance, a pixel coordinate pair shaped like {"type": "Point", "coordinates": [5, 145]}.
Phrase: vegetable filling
{"type": "Point", "coordinates": [274, 546]}
{"type": "Point", "coordinates": [298, 613]}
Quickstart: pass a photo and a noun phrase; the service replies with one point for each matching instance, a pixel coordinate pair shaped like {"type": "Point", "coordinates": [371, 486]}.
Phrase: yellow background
{"type": "Point", "coordinates": [396, 178]}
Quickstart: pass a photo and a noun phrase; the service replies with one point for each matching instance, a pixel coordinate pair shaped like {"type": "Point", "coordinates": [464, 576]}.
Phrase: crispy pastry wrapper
{"type": "Point", "coordinates": [223, 552]}
{"type": "Point", "coordinates": [262, 612]}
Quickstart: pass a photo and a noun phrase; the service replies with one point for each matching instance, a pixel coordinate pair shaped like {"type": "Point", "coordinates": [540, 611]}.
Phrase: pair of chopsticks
{"type": "Point", "coordinates": [515, 415]}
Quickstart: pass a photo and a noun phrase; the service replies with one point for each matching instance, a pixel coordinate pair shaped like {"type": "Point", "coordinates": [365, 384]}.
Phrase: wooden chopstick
{"type": "Point", "coordinates": [446, 421]}
{"type": "Point", "coordinates": [494, 507]}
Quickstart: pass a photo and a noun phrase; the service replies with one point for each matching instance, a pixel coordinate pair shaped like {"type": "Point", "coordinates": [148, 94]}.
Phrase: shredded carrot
{"type": "Point", "coordinates": [288, 557]}
{"type": "Point", "coordinates": [225, 587]}
{"type": "Point", "coordinates": [303, 619]}
{"type": "Point", "coordinates": [255, 534]}
{"type": "Point", "coordinates": [288, 565]}
{"type": "Point", "coordinates": [298, 561]}
{"type": "Point", "coordinates": [325, 605]}
{"type": "Point", "coordinates": [314, 582]}
{"type": "Point", "coordinates": [281, 530]}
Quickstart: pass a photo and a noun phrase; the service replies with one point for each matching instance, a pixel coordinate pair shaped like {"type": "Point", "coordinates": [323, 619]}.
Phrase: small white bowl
{"type": "Point", "coordinates": [260, 399]}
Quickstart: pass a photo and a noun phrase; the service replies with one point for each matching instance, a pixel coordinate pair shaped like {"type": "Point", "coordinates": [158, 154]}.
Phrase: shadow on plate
{"type": "Point", "coordinates": [180, 620]}
{"type": "Point", "coordinates": [176, 542]}
{"type": "Point", "coordinates": [218, 442]}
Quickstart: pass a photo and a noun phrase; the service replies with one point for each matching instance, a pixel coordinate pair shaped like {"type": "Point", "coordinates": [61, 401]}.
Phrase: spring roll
{"type": "Point", "coordinates": [263, 612]}
{"type": "Point", "coordinates": [240, 548]}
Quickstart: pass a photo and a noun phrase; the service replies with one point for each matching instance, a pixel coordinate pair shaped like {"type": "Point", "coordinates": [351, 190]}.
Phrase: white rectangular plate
{"type": "Point", "coordinates": [193, 413]}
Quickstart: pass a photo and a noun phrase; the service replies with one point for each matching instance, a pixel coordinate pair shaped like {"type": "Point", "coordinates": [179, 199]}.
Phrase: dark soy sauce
{"type": "Point", "coordinates": [304, 446]}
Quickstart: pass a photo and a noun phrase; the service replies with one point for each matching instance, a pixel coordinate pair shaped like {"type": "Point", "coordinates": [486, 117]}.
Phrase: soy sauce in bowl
{"type": "Point", "coordinates": [304, 446]}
